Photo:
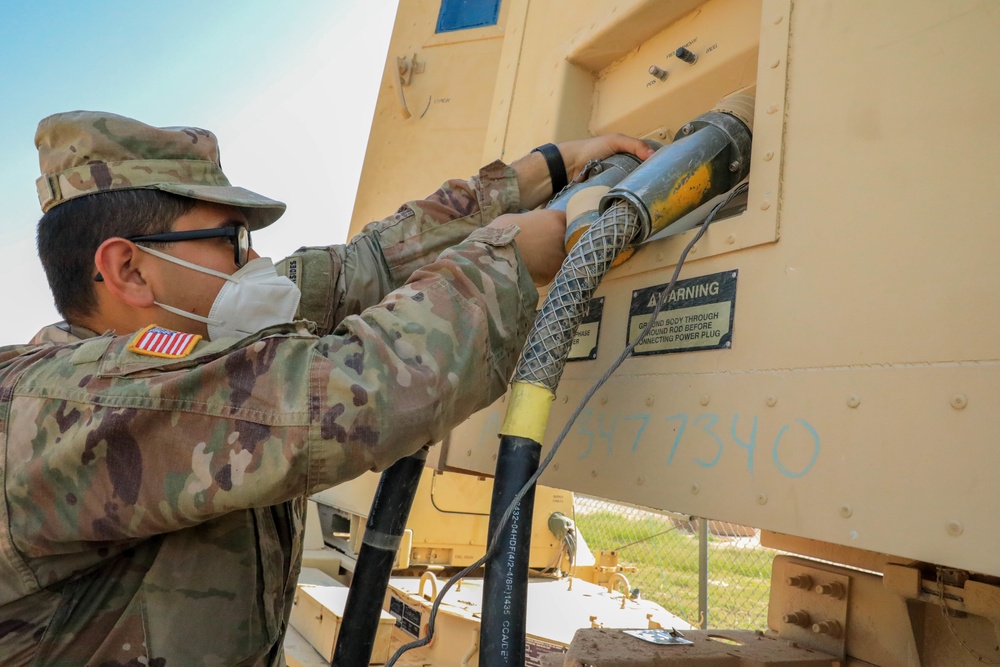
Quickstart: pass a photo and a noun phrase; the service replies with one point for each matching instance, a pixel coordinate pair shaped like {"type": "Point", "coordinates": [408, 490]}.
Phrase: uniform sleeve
{"type": "Point", "coordinates": [107, 445]}
{"type": "Point", "coordinates": [338, 281]}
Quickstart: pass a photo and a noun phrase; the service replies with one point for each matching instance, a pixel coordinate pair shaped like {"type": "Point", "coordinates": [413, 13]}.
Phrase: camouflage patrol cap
{"type": "Point", "coordinates": [85, 152]}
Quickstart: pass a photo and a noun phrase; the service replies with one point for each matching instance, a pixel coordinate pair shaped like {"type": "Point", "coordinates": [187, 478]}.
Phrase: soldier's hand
{"type": "Point", "coordinates": [541, 241]}
{"type": "Point", "coordinates": [533, 178]}
{"type": "Point", "coordinates": [576, 154]}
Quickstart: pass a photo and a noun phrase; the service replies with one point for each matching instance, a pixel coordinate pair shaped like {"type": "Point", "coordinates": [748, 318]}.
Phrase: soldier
{"type": "Point", "coordinates": [154, 475]}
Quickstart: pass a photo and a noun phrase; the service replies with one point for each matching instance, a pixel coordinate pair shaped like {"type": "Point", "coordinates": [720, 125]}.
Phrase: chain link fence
{"type": "Point", "coordinates": [714, 575]}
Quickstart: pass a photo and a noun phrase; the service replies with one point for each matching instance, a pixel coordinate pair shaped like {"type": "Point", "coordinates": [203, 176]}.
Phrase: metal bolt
{"type": "Point", "coordinates": [832, 590]}
{"type": "Point", "coordinates": [954, 528]}
{"type": "Point", "coordinates": [649, 401]}
{"type": "Point", "coordinates": [565, 399]}
{"type": "Point", "coordinates": [768, 156]}
{"type": "Point", "coordinates": [829, 628]}
{"type": "Point", "coordinates": [775, 63]}
{"type": "Point", "coordinates": [604, 400]}
{"type": "Point", "coordinates": [803, 581]}
{"type": "Point", "coordinates": [687, 129]}
{"type": "Point", "coordinates": [771, 400]}
{"type": "Point", "coordinates": [846, 511]}
{"type": "Point", "coordinates": [777, 19]}
{"type": "Point", "coordinates": [731, 239]}
{"type": "Point", "coordinates": [799, 618]}
{"type": "Point", "coordinates": [705, 398]}
{"type": "Point", "coordinates": [658, 72]}
{"type": "Point", "coordinates": [764, 205]}
{"type": "Point", "coordinates": [695, 489]}
{"type": "Point", "coordinates": [735, 165]}
{"type": "Point", "coordinates": [761, 498]}
{"type": "Point", "coordinates": [853, 401]}
{"type": "Point", "coordinates": [959, 401]}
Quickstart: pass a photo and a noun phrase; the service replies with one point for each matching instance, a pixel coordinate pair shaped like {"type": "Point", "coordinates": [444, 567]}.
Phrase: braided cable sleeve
{"type": "Point", "coordinates": [544, 355]}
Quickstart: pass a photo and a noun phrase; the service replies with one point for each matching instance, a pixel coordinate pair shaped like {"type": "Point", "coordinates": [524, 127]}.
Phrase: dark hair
{"type": "Point", "coordinates": [70, 233]}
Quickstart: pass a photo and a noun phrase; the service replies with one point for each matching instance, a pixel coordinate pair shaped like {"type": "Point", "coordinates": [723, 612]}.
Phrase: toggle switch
{"type": "Point", "coordinates": [658, 72]}
{"type": "Point", "coordinates": [686, 55]}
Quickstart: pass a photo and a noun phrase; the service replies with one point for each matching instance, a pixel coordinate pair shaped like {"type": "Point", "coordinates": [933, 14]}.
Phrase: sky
{"type": "Point", "coordinates": [289, 88]}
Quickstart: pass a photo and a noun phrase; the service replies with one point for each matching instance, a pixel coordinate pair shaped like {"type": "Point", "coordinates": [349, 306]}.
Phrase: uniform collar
{"type": "Point", "coordinates": [62, 332]}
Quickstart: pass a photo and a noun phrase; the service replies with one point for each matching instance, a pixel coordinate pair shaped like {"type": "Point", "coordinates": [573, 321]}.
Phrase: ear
{"type": "Point", "coordinates": [121, 268]}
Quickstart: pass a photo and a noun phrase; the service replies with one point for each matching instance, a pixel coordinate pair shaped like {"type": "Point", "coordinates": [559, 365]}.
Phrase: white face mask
{"type": "Point", "coordinates": [253, 298]}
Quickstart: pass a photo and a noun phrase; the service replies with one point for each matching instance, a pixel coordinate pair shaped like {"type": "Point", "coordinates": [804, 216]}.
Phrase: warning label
{"type": "Point", "coordinates": [536, 649]}
{"type": "Point", "coordinates": [407, 617]}
{"type": "Point", "coordinates": [697, 315]}
{"type": "Point", "coordinates": [584, 347]}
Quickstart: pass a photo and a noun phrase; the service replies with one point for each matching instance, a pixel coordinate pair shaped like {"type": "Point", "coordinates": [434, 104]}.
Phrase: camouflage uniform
{"type": "Point", "coordinates": [153, 508]}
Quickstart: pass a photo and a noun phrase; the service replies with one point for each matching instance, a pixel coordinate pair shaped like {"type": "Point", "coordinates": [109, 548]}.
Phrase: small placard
{"type": "Point", "coordinates": [662, 637]}
{"type": "Point", "coordinates": [584, 347]}
{"type": "Point", "coordinates": [407, 617]}
{"type": "Point", "coordinates": [698, 315]}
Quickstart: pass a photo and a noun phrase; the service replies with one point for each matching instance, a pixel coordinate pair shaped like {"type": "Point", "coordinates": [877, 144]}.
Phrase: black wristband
{"type": "Point", "coordinates": [557, 168]}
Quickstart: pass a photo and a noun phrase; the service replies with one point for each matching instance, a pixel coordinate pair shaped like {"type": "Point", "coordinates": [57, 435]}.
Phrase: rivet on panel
{"type": "Point", "coordinates": [773, 108]}
{"type": "Point", "coordinates": [768, 156]}
{"type": "Point", "coordinates": [853, 401]}
{"type": "Point", "coordinates": [731, 239]}
{"type": "Point", "coordinates": [778, 18]}
{"type": "Point", "coordinates": [640, 480]}
{"type": "Point", "coordinates": [494, 457]}
{"type": "Point", "coordinates": [846, 511]}
{"type": "Point", "coordinates": [771, 400]}
{"type": "Point", "coordinates": [649, 401]}
{"type": "Point", "coordinates": [555, 466]}
{"type": "Point", "coordinates": [660, 257]}
{"type": "Point", "coordinates": [705, 398]}
{"type": "Point", "coordinates": [593, 473]}
{"type": "Point", "coordinates": [468, 452]}
{"type": "Point", "coordinates": [775, 63]}
{"type": "Point", "coordinates": [695, 489]}
{"type": "Point", "coordinates": [761, 498]}
{"type": "Point", "coordinates": [604, 400]}
{"type": "Point", "coordinates": [954, 528]}
{"type": "Point", "coordinates": [764, 205]}
{"type": "Point", "coordinates": [959, 401]}
{"type": "Point", "coordinates": [565, 399]}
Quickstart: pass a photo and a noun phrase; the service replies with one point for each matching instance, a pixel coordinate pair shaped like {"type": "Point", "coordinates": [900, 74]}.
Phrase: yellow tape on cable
{"type": "Point", "coordinates": [528, 411]}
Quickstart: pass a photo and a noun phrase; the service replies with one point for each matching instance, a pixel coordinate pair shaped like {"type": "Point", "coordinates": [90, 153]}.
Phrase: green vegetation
{"type": "Point", "coordinates": [665, 556]}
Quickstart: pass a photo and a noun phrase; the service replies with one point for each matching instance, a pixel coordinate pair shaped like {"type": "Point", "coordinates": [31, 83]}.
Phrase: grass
{"type": "Point", "coordinates": [666, 560]}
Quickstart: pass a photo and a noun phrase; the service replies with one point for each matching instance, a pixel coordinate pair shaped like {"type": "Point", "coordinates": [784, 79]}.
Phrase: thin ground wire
{"type": "Point", "coordinates": [494, 541]}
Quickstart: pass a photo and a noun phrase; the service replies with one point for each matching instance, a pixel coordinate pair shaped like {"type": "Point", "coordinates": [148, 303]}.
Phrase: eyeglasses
{"type": "Point", "coordinates": [238, 235]}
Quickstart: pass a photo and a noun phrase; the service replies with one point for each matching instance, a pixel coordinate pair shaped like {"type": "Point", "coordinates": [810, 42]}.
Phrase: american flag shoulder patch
{"type": "Point", "coordinates": [156, 341]}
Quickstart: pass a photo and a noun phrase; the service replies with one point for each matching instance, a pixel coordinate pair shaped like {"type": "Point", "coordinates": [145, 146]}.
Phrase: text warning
{"type": "Point", "coordinates": [697, 315]}
{"type": "Point", "coordinates": [584, 347]}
